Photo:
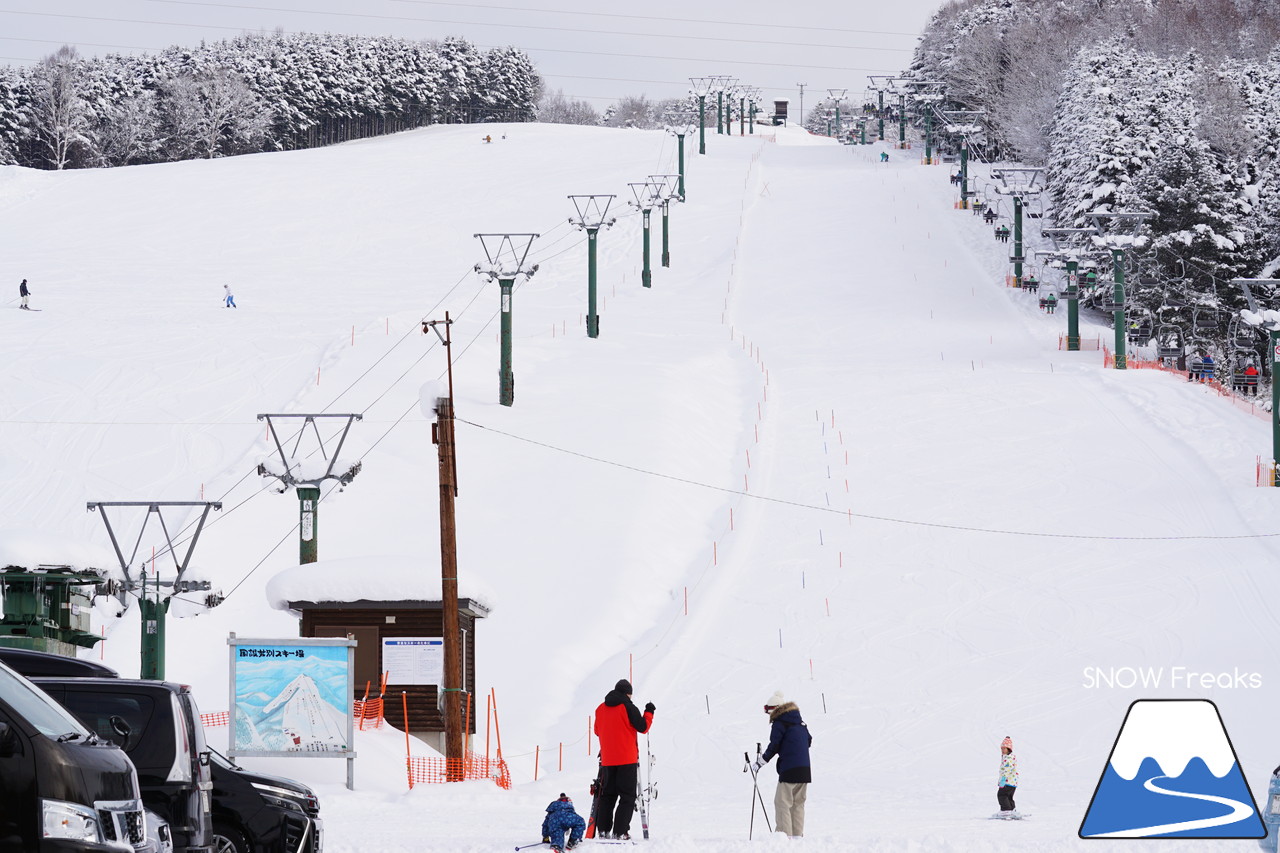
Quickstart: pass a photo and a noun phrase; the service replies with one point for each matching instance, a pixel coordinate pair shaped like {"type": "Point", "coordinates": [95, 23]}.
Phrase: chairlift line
{"type": "Point", "coordinates": [868, 516]}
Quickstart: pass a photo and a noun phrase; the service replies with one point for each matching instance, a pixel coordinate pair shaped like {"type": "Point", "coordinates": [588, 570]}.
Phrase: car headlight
{"type": "Point", "coordinates": [68, 820]}
{"type": "Point", "coordinates": [281, 798]}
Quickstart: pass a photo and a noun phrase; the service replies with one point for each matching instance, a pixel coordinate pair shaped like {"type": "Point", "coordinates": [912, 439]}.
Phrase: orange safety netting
{"type": "Point", "coordinates": [1085, 343]}
{"type": "Point", "coordinates": [370, 710]}
{"type": "Point", "coordinates": [473, 766]}
{"type": "Point", "coordinates": [1133, 362]}
{"type": "Point", "coordinates": [215, 719]}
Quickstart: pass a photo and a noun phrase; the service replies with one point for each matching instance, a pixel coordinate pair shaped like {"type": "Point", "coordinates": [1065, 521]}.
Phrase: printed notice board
{"type": "Point", "coordinates": [413, 660]}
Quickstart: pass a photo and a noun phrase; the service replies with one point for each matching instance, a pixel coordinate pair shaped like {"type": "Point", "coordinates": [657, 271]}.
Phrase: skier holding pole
{"type": "Point", "coordinates": [789, 739]}
{"type": "Point", "coordinates": [618, 721]}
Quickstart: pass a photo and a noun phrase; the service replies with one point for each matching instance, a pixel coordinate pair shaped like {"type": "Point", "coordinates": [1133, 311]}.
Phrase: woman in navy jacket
{"type": "Point", "coordinates": [789, 739]}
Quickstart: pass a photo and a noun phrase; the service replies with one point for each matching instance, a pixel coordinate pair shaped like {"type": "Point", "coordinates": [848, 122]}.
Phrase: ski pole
{"type": "Point", "coordinates": [527, 846]}
{"type": "Point", "coordinates": [745, 767]}
{"type": "Point", "coordinates": [764, 810]}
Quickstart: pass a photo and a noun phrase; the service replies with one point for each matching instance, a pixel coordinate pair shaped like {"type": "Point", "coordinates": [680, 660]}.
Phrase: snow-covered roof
{"type": "Point", "coordinates": [371, 578]}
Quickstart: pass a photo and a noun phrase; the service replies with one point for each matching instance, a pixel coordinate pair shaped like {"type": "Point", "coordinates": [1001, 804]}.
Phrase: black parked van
{"type": "Point", "coordinates": [62, 789]}
{"type": "Point", "coordinates": [247, 812]}
{"type": "Point", "coordinates": [163, 736]}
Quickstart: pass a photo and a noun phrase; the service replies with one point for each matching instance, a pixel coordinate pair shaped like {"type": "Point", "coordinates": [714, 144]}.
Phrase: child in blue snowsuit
{"type": "Point", "coordinates": [561, 818]}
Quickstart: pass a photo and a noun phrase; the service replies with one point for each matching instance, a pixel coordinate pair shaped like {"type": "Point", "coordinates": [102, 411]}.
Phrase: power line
{"type": "Point", "coordinates": [699, 59]}
{"type": "Point", "coordinates": [85, 43]}
{"type": "Point", "coordinates": [868, 516]}
{"type": "Point", "coordinates": [771, 42]}
{"type": "Point", "coordinates": [770, 26]}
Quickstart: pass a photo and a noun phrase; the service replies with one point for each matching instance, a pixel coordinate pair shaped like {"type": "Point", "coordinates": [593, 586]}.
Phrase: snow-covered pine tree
{"type": "Point", "coordinates": [57, 117]}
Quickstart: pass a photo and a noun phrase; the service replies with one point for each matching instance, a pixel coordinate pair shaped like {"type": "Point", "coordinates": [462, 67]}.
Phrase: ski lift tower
{"type": "Point", "coordinates": [836, 96]}
{"type": "Point", "coordinates": [886, 85]}
{"type": "Point", "coordinates": [900, 89]}
{"type": "Point", "coordinates": [928, 94]}
{"type": "Point", "coordinates": [646, 193]}
{"type": "Point", "coordinates": [965, 124]}
{"type": "Point", "coordinates": [1118, 245]}
{"type": "Point", "coordinates": [755, 93]}
{"type": "Point", "coordinates": [1019, 184]}
{"type": "Point", "coordinates": [665, 193]}
{"type": "Point", "coordinates": [701, 87]}
{"type": "Point", "coordinates": [306, 476]}
{"type": "Point", "coordinates": [680, 130]}
{"type": "Point", "coordinates": [506, 259]}
{"type": "Point", "coordinates": [1070, 258]}
{"type": "Point", "coordinates": [1270, 322]}
{"type": "Point", "coordinates": [724, 86]}
{"type": "Point", "coordinates": [153, 601]}
{"type": "Point", "coordinates": [593, 214]}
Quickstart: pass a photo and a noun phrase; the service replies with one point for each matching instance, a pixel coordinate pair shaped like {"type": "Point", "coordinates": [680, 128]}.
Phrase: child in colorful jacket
{"type": "Point", "coordinates": [1008, 778]}
{"type": "Point", "coordinates": [561, 818]}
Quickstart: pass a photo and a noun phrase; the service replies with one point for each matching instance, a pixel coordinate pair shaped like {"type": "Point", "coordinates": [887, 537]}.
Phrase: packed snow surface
{"type": "Point", "coordinates": [827, 452]}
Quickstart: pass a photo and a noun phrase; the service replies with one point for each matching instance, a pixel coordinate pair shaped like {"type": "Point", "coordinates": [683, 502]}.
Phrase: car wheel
{"type": "Point", "coordinates": [228, 839]}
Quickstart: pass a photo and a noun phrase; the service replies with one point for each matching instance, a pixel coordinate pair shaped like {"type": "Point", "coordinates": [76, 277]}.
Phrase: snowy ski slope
{"type": "Point", "coordinates": [946, 521]}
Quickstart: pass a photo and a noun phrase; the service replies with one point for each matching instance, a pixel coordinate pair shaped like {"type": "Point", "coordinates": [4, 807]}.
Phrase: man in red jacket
{"type": "Point", "coordinates": [618, 721]}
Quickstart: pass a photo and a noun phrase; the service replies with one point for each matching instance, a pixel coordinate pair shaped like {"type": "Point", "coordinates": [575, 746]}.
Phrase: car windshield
{"type": "Point", "coordinates": [34, 705]}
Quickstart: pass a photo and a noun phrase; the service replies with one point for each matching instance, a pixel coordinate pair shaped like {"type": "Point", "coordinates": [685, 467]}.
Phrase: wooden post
{"type": "Point", "coordinates": [449, 590]}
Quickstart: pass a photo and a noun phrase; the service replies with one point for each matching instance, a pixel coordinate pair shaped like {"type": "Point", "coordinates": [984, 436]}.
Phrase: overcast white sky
{"type": "Point", "coordinates": [591, 50]}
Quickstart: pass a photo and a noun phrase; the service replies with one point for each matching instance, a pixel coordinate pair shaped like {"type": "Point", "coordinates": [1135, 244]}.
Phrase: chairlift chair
{"type": "Point", "coordinates": [1106, 297]}
{"type": "Point", "coordinates": [1204, 320]}
{"type": "Point", "coordinates": [1141, 332]}
{"type": "Point", "coordinates": [1241, 359]}
{"type": "Point", "coordinates": [1170, 344]}
{"type": "Point", "coordinates": [1240, 335]}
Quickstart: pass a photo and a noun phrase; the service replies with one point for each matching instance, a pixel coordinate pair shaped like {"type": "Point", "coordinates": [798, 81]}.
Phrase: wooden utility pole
{"type": "Point", "coordinates": [442, 435]}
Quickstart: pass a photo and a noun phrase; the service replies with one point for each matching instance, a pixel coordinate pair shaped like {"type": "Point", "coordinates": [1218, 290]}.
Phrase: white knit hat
{"type": "Point", "coordinates": [775, 700]}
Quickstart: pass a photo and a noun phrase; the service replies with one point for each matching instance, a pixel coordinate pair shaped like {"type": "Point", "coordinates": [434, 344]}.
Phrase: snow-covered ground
{"type": "Point", "coordinates": [828, 427]}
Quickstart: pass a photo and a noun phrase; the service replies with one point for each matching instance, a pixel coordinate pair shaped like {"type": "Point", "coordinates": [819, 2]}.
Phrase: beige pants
{"type": "Point", "coordinates": [788, 806]}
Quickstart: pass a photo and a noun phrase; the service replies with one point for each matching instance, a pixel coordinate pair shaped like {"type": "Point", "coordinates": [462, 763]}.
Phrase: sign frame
{"type": "Point", "coordinates": [235, 643]}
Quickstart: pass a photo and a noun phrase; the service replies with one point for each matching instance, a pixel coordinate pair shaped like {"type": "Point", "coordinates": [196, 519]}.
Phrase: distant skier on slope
{"type": "Point", "coordinates": [25, 293]}
{"type": "Point", "coordinates": [618, 721]}
{"type": "Point", "coordinates": [789, 739]}
{"type": "Point", "coordinates": [229, 300]}
{"type": "Point", "coordinates": [1008, 780]}
{"type": "Point", "coordinates": [561, 818]}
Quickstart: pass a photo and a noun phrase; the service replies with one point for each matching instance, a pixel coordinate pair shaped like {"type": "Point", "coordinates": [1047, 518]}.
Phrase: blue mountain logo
{"type": "Point", "coordinates": [1172, 773]}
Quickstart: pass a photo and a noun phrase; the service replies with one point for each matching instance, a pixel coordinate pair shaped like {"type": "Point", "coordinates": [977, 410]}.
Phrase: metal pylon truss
{"type": "Point", "coordinates": [292, 470]}
{"type": "Point", "coordinates": [154, 507]}
{"type": "Point", "coordinates": [647, 194]}
{"type": "Point", "coordinates": [506, 255]}
{"type": "Point", "coordinates": [1019, 181]}
{"type": "Point", "coordinates": [668, 186]}
{"type": "Point", "coordinates": [1129, 221]}
{"type": "Point", "coordinates": [593, 211]}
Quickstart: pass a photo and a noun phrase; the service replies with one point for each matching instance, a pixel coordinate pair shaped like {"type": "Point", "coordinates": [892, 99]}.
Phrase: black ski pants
{"type": "Point", "coordinates": [1005, 797]}
{"type": "Point", "coordinates": [618, 790]}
